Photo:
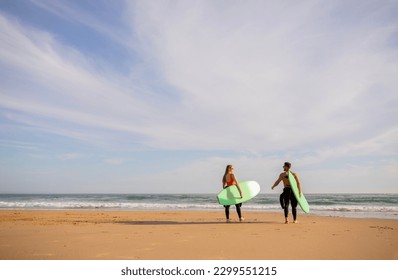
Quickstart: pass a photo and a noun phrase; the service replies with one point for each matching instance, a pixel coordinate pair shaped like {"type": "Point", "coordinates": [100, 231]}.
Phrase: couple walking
{"type": "Point", "coordinates": [285, 198]}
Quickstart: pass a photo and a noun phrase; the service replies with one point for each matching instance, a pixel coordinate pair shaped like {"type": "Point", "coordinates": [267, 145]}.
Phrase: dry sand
{"type": "Point", "coordinates": [161, 235]}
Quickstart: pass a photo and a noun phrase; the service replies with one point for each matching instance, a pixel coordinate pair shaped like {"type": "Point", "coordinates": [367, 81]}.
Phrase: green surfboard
{"type": "Point", "coordinates": [231, 196]}
{"type": "Point", "coordinates": [301, 200]}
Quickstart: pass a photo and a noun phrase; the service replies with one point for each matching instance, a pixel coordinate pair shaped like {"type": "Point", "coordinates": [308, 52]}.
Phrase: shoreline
{"type": "Point", "coordinates": [191, 235]}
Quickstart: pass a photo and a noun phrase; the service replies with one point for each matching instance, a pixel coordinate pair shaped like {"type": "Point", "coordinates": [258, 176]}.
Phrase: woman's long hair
{"type": "Point", "coordinates": [224, 178]}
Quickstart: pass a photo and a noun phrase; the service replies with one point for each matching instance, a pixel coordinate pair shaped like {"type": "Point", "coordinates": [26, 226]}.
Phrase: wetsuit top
{"type": "Point", "coordinates": [288, 185]}
{"type": "Point", "coordinates": [232, 180]}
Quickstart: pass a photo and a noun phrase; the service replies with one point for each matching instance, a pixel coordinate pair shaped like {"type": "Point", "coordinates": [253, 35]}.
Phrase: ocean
{"type": "Point", "coordinates": [383, 206]}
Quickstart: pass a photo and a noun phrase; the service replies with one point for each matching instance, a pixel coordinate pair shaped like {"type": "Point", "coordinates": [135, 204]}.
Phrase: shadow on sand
{"type": "Point", "coordinates": [159, 223]}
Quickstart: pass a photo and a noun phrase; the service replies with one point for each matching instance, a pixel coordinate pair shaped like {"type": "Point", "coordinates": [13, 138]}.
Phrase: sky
{"type": "Point", "coordinates": [159, 96]}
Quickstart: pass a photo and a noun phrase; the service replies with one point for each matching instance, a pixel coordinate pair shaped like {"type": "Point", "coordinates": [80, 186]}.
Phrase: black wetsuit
{"type": "Point", "coordinates": [284, 199]}
{"type": "Point", "coordinates": [237, 210]}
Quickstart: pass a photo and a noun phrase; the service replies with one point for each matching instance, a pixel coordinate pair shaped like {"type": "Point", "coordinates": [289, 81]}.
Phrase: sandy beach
{"type": "Point", "coordinates": [161, 235]}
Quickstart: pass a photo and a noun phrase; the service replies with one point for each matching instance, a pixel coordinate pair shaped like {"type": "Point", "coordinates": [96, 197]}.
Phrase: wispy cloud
{"type": "Point", "coordinates": [115, 161]}
{"type": "Point", "coordinates": [19, 145]}
{"type": "Point", "coordinates": [109, 24]}
{"type": "Point", "coordinates": [69, 156]}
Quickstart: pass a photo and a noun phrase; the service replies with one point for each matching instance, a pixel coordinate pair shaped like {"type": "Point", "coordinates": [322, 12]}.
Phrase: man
{"type": "Point", "coordinates": [287, 194]}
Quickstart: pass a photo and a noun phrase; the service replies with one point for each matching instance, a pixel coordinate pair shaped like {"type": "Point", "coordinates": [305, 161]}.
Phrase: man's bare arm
{"type": "Point", "coordinates": [277, 181]}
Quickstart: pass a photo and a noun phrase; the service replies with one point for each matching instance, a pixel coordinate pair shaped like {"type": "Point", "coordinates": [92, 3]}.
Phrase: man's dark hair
{"type": "Point", "coordinates": [288, 164]}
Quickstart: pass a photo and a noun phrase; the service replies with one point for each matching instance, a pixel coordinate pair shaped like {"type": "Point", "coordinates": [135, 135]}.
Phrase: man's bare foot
{"type": "Point", "coordinates": [286, 222]}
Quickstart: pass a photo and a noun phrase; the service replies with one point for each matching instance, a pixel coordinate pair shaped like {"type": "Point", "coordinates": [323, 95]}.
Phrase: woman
{"type": "Point", "coordinates": [229, 179]}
